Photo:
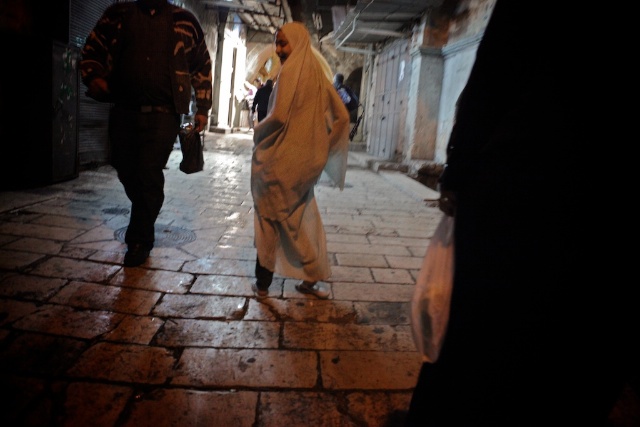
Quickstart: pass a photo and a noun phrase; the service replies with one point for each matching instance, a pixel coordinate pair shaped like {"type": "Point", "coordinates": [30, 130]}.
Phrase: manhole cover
{"type": "Point", "coordinates": [166, 236]}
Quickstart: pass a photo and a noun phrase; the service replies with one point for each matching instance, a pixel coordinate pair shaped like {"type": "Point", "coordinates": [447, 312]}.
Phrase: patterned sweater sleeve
{"type": "Point", "coordinates": [197, 56]}
{"type": "Point", "coordinates": [97, 52]}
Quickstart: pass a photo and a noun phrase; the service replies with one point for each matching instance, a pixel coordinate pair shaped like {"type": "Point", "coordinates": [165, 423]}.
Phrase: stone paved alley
{"type": "Point", "coordinates": [182, 340]}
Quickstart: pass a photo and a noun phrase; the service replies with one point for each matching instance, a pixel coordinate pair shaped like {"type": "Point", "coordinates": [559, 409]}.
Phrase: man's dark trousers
{"type": "Point", "coordinates": [141, 143]}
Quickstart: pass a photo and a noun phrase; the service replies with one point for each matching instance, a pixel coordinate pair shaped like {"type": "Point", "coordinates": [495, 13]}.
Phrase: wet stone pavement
{"type": "Point", "coordinates": [182, 340]}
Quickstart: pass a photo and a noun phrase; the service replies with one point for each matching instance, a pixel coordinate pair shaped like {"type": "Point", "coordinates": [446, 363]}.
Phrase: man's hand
{"type": "Point", "coordinates": [200, 122]}
{"type": "Point", "coordinates": [98, 89]}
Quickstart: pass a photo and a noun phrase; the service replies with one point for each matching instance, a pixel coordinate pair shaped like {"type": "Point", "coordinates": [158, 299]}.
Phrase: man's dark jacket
{"type": "Point", "coordinates": [192, 62]}
{"type": "Point", "coordinates": [261, 100]}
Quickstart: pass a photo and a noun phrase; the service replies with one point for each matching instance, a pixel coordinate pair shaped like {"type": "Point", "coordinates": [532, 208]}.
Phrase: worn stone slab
{"type": "Point", "coordinates": [6, 239]}
{"type": "Point", "coordinates": [91, 404]}
{"type": "Point", "coordinates": [404, 262]}
{"type": "Point", "coordinates": [361, 260]}
{"type": "Point", "coordinates": [200, 307]}
{"type": "Point", "coordinates": [246, 368]}
{"type": "Point", "coordinates": [66, 221]}
{"type": "Point", "coordinates": [216, 284]}
{"type": "Point", "coordinates": [28, 287]}
{"type": "Point", "coordinates": [39, 246]}
{"type": "Point", "coordinates": [347, 238]}
{"type": "Point", "coordinates": [10, 200]}
{"type": "Point", "coordinates": [373, 291]}
{"type": "Point", "coordinates": [409, 185]}
{"type": "Point", "coordinates": [370, 249]}
{"type": "Point", "coordinates": [125, 363]}
{"type": "Point", "coordinates": [41, 354]}
{"type": "Point", "coordinates": [206, 239]}
{"type": "Point", "coordinates": [371, 409]}
{"type": "Point", "coordinates": [135, 330]}
{"type": "Point", "coordinates": [418, 251]}
{"type": "Point", "coordinates": [40, 231]}
{"type": "Point", "coordinates": [14, 260]}
{"type": "Point", "coordinates": [110, 245]}
{"type": "Point", "coordinates": [153, 280]}
{"type": "Point", "coordinates": [347, 221]}
{"type": "Point", "coordinates": [67, 321]}
{"type": "Point", "coordinates": [301, 310]}
{"type": "Point", "coordinates": [69, 208]}
{"type": "Point", "coordinates": [246, 253]}
{"type": "Point", "coordinates": [391, 370]}
{"type": "Point", "coordinates": [193, 408]}
{"type": "Point", "coordinates": [163, 262]}
{"type": "Point", "coordinates": [176, 254]}
{"type": "Point", "coordinates": [398, 241]}
{"type": "Point", "coordinates": [13, 310]}
{"type": "Point", "coordinates": [219, 334]}
{"type": "Point", "coordinates": [77, 252]}
{"type": "Point", "coordinates": [329, 336]}
{"type": "Point", "coordinates": [235, 240]}
{"type": "Point", "coordinates": [75, 269]}
{"type": "Point", "coordinates": [383, 313]}
{"type": "Point", "coordinates": [303, 409]}
{"type": "Point", "coordinates": [227, 267]}
{"type": "Point", "coordinates": [351, 274]}
{"type": "Point", "coordinates": [391, 275]}
{"type": "Point", "coordinates": [103, 297]}
{"type": "Point", "coordinates": [113, 255]}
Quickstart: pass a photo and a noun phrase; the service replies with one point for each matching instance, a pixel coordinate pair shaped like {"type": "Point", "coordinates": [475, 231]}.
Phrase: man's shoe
{"type": "Point", "coordinates": [260, 293]}
{"type": "Point", "coordinates": [136, 255]}
{"type": "Point", "coordinates": [313, 288]}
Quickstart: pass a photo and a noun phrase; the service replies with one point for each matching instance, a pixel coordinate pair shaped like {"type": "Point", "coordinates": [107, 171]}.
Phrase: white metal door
{"type": "Point", "coordinates": [390, 101]}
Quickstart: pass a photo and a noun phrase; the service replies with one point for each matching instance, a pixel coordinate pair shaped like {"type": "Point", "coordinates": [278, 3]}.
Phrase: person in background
{"type": "Point", "coordinates": [349, 98]}
{"type": "Point", "coordinates": [305, 132]}
{"type": "Point", "coordinates": [144, 57]}
{"type": "Point", "coordinates": [542, 332]}
{"type": "Point", "coordinates": [261, 99]}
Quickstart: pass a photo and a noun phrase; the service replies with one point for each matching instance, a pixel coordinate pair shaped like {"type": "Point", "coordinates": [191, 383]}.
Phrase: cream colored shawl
{"type": "Point", "coordinates": [305, 132]}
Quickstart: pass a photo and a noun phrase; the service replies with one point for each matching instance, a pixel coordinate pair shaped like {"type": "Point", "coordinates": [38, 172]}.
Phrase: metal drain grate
{"type": "Point", "coordinates": [166, 236]}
